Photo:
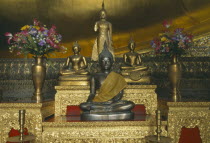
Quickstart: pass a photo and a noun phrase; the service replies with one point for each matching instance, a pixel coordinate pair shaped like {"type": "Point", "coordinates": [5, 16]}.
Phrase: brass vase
{"type": "Point", "coordinates": [38, 77]}
{"type": "Point", "coordinates": [174, 74]}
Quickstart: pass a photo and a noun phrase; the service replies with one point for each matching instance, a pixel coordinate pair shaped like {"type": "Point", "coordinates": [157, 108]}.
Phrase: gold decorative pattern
{"type": "Point", "coordinates": [190, 115]}
{"type": "Point", "coordinates": [201, 46]}
{"type": "Point", "coordinates": [202, 40]}
{"type": "Point", "coordinates": [123, 131]}
{"type": "Point", "coordinates": [61, 122]}
{"type": "Point", "coordinates": [9, 119]}
{"type": "Point", "coordinates": [35, 113]}
{"type": "Point", "coordinates": [74, 95]}
{"type": "Point", "coordinates": [69, 95]}
{"type": "Point", "coordinates": [188, 104]}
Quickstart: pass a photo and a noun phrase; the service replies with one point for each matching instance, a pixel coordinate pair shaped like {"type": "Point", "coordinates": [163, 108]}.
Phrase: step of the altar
{"type": "Point", "coordinates": [65, 129]}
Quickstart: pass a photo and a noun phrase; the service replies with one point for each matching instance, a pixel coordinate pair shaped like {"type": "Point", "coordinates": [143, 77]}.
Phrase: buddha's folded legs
{"type": "Point", "coordinates": [82, 72]}
{"type": "Point", "coordinates": [67, 72]}
{"type": "Point", "coordinates": [119, 106]}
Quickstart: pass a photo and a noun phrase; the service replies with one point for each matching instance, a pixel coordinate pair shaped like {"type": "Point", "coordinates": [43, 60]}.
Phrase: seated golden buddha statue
{"type": "Point", "coordinates": [106, 104]}
{"type": "Point", "coordinates": [75, 69]}
{"type": "Point", "coordinates": [75, 64]}
{"type": "Point", "coordinates": [132, 66]}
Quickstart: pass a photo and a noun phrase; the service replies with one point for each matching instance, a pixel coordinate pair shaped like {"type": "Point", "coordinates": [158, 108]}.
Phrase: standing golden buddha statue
{"type": "Point", "coordinates": [104, 29]}
{"type": "Point", "coordinates": [74, 71]}
{"type": "Point", "coordinates": [132, 67]}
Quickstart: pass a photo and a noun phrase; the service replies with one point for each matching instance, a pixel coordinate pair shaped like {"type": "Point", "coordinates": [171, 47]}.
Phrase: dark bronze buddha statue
{"type": "Point", "coordinates": [106, 92]}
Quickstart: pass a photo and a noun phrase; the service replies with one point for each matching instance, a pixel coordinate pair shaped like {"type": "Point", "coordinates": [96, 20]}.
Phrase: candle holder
{"type": "Point", "coordinates": [158, 123]}
{"type": "Point", "coordinates": [158, 138]}
{"type": "Point", "coordinates": [21, 138]}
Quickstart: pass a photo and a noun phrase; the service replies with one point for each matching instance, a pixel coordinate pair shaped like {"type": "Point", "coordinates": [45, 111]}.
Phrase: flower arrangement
{"type": "Point", "coordinates": [171, 42]}
{"type": "Point", "coordinates": [35, 39]}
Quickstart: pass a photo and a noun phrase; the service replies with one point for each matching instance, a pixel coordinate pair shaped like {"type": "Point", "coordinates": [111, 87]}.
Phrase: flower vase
{"type": "Point", "coordinates": [174, 74]}
{"type": "Point", "coordinates": [38, 77]}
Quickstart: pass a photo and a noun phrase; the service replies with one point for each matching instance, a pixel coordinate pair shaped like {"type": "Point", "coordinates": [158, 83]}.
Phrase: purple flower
{"type": "Point", "coordinates": [174, 39]}
{"type": "Point", "coordinates": [178, 30]}
{"type": "Point", "coordinates": [41, 43]}
{"type": "Point", "coordinates": [45, 32]}
{"type": "Point", "coordinates": [59, 37]}
{"type": "Point", "coordinates": [33, 32]}
{"type": "Point", "coordinates": [152, 43]}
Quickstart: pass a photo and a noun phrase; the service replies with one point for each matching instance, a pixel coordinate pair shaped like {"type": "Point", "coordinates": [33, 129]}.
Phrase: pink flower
{"type": "Point", "coordinates": [18, 53]}
{"type": "Point", "coordinates": [42, 29]}
{"type": "Point", "coordinates": [52, 30]}
{"type": "Point", "coordinates": [9, 35]}
{"type": "Point", "coordinates": [16, 38]}
{"type": "Point", "coordinates": [53, 27]}
{"type": "Point", "coordinates": [56, 46]}
{"type": "Point", "coordinates": [36, 22]}
{"type": "Point", "coordinates": [190, 36]}
{"type": "Point", "coordinates": [25, 33]}
{"type": "Point", "coordinates": [50, 42]}
{"type": "Point", "coordinates": [166, 23]}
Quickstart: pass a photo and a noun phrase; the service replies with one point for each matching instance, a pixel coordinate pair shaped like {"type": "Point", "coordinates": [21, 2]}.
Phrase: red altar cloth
{"type": "Point", "coordinates": [14, 132]}
{"type": "Point", "coordinates": [190, 135]}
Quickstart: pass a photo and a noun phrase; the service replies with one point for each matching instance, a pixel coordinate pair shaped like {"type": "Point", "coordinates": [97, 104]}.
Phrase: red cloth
{"type": "Point", "coordinates": [190, 135]}
{"type": "Point", "coordinates": [73, 110]}
{"type": "Point", "coordinates": [14, 133]}
{"type": "Point", "coordinates": [139, 109]}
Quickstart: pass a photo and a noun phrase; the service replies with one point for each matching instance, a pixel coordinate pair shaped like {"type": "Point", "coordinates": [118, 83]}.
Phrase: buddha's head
{"type": "Point", "coordinates": [132, 45]}
{"type": "Point", "coordinates": [76, 48]}
{"type": "Point", "coordinates": [105, 58]}
{"type": "Point", "coordinates": [103, 12]}
{"type": "Point", "coordinates": [105, 63]}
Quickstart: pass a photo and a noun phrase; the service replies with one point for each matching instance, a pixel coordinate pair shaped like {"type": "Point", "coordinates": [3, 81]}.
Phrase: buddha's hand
{"type": "Point", "coordinates": [107, 102]}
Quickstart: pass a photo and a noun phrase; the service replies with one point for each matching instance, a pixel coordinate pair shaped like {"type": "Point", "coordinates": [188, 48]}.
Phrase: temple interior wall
{"type": "Point", "coordinates": [15, 76]}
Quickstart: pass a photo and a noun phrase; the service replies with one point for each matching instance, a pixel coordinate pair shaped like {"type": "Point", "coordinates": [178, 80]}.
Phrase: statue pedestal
{"type": "Point", "coordinates": [70, 95]}
{"type": "Point", "coordinates": [75, 95]}
{"type": "Point", "coordinates": [70, 128]}
{"type": "Point", "coordinates": [140, 77]}
{"type": "Point", "coordinates": [143, 80]}
{"type": "Point", "coordinates": [62, 130]}
{"type": "Point", "coordinates": [74, 80]}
